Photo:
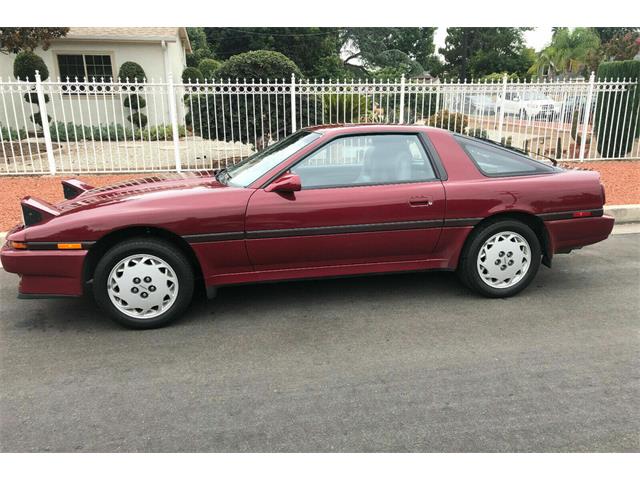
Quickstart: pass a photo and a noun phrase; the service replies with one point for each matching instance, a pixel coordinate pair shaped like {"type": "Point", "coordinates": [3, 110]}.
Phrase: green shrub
{"type": "Point", "coordinates": [259, 64]}
{"type": "Point", "coordinates": [139, 119]}
{"type": "Point", "coordinates": [209, 68]}
{"type": "Point", "coordinates": [162, 132]}
{"type": "Point", "coordinates": [192, 75]}
{"type": "Point", "coordinates": [478, 133]}
{"type": "Point", "coordinates": [135, 102]}
{"type": "Point", "coordinates": [616, 120]}
{"type": "Point", "coordinates": [220, 120]}
{"type": "Point", "coordinates": [131, 72]}
{"type": "Point", "coordinates": [26, 64]}
{"type": "Point", "coordinates": [61, 132]}
{"type": "Point", "coordinates": [346, 108]}
{"type": "Point", "coordinates": [10, 133]}
{"type": "Point", "coordinates": [456, 122]}
{"type": "Point", "coordinates": [32, 97]}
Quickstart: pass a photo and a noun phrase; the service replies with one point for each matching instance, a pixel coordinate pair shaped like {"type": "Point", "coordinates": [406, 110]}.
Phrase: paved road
{"type": "Point", "coordinates": [394, 363]}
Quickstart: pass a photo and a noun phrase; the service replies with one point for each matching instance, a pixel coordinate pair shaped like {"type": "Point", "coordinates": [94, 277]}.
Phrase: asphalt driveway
{"type": "Point", "coordinates": [390, 363]}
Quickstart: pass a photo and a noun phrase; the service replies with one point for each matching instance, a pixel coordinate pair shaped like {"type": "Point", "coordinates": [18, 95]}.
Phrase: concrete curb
{"type": "Point", "coordinates": [622, 214]}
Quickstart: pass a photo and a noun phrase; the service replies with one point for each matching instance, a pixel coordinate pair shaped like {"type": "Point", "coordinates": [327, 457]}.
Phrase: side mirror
{"type": "Point", "coordinates": [287, 183]}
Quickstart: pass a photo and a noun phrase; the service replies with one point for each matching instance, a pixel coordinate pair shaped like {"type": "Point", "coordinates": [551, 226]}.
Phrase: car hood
{"type": "Point", "coordinates": [140, 188]}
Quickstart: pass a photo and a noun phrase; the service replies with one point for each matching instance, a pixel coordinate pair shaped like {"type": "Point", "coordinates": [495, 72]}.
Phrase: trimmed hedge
{"type": "Point", "coordinates": [259, 64]}
{"type": "Point", "coordinates": [131, 71]}
{"type": "Point", "coordinates": [617, 111]}
{"type": "Point", "coordinates": [26, 64]}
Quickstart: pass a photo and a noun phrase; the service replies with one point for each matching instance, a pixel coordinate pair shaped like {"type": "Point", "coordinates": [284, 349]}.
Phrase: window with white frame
{"type": "Point", "coordinates": [78, 67]}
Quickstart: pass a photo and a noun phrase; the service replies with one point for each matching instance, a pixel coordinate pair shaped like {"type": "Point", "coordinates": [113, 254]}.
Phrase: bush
{"type": "Point", "coordinates": [135, 102]}
{"type": "Point", "coordinates": [10, 133]}
{"type": "Point", "coordinates": [192, 75]}
{"type": "Point", "coordinates": [478, 133]}
{"type": "Point", "coordinates": [131, 72]}
{"type": "Point", "coordinates": [69, 132]}
{"type": "Point", "coordinates": [222, 120]}
{"type": "Point", "coordinates": [139, 119]}
{"type": "Point", "coordinates": [259, 64]}
{"type": "Point", "coordinates": [615, 138]}
{"type": "Point", "coordinates": [456, 122]}
{"type": "Point", "coordinates": [209, 68]}
{"type": "Point", "coordinates": [26, 64]}
{"type": "Point", "coordinates": [346, 108]}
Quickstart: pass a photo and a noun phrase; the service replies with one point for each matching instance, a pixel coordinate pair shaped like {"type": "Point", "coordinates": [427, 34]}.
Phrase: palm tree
{"type": "Point", "coordinates": [570, 51]}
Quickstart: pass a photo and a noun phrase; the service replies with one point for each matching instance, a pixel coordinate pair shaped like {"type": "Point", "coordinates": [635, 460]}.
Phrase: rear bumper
{"type": "Point", "coordinates": [565, 235]}
{"type": "Point", "coordinates": [46, 272]}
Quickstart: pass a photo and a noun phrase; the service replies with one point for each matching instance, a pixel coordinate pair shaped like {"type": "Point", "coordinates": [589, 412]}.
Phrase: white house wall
{"type": "Point", "coordinates": [92, 109]}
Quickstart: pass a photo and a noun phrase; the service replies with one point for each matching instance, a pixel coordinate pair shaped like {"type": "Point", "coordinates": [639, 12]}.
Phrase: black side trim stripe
{"type": "Point", "coordinates": [214, 237]}
{"type": "Point", "coordinates": [332, 230]}
{"type": "Point", "coordinates": [461, 222]}
{"type": "Point", "coordinates": [598, 212]}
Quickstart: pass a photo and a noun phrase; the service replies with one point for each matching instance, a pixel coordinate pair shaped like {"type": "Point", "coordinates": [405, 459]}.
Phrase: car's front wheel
{"type": "Point", "coordinates": [500, 259]}
{"type": "Point", "coordinates": [143, 283]}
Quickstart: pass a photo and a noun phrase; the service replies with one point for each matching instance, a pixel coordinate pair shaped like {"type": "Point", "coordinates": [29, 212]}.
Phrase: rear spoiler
{"type": "Point", "coordinates": [74, 187]}
{"type": "Point", "coordinates": [35, 211]}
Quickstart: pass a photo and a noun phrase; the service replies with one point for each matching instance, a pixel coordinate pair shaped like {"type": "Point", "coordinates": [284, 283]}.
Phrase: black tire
{"type": "Point", "coordinates": [468, 267]}
{"type": "Point", "coordinates": [164, 251]}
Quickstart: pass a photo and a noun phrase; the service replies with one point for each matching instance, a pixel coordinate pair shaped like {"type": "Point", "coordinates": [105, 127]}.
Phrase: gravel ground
{"type": "Point", "coordinates": [621, 178]}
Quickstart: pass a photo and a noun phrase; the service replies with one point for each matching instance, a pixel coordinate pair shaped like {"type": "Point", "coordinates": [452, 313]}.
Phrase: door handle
{"type": "Point", "coordinates": [421, 201]}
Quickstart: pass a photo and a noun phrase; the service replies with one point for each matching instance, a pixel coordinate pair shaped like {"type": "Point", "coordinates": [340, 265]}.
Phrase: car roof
{"type": "Point", "coordinates": [367, 128]}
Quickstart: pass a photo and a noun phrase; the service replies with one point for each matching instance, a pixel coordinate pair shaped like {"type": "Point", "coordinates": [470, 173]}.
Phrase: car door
{"type": "Point", "coordinates": [364, 198]}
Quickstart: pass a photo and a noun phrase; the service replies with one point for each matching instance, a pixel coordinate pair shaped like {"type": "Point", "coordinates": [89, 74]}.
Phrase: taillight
{"type": "Point", "coordinates": [604, 197]}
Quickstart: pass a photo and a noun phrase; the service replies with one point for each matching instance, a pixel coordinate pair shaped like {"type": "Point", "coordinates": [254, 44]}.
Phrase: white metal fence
{"type": "Point", "coordinates": [108, 127]}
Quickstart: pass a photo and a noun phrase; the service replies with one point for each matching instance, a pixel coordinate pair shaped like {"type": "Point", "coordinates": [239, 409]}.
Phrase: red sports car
{"type": "Point", "coordinates": [325, 201]}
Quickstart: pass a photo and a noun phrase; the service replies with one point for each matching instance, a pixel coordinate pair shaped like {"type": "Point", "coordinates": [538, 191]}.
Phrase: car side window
{"type": "Point", "coordinates": [366, 160]}
{"type": "Point", "coordinates": [499, 162]}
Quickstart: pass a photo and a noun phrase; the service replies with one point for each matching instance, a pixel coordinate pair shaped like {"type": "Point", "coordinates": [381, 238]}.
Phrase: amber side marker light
{"type": "Point", "coordinates": [69, 246]}
{"type": "Point", "coordinates": [17, 245]}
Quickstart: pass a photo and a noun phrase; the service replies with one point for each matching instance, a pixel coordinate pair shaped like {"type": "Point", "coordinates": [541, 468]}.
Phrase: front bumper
{"type": "Point", "coordinates": [46, 272]}
{"type": "Point", "coordinates": [565, 235]}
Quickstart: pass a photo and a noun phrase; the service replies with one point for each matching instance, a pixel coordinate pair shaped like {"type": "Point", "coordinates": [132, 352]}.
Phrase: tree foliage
{"type": "Point", "coordinates": [573, 51]}
{"type": "Point", "coordinates": [200, 48]}
{"type": "Point", "coordinates": [16, 39]}
{"type": "Point", "coordinates": [313, 49]}
{"type": "Point", "coordinates": [408, 50]}
{"type": "Point", "coordinates": [622, 47]}
{"type": "Point", "coordinates": [606, 34]}
{"type": "Point", "coordinates": [475, 52]}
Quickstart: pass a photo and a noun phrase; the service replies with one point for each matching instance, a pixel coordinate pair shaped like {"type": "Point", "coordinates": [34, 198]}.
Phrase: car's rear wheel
{"type": "Point", "coordinates": [501, 258]}
{"type": "Point", "coordinates": [143, 283]}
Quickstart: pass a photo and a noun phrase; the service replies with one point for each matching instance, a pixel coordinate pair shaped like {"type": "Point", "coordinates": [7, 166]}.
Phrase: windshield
{"type": "Point", "coordinates": [251, 168]}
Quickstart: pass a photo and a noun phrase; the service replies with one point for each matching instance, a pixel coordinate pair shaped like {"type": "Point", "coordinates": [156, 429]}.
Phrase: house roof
{"type": "Point", "coordinates": [130, 34]}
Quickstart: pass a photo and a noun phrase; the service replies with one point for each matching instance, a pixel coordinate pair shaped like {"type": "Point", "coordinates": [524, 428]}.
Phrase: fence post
{"type": "Point", "coordinates": [173, 114]}
{"type": "Point", "coordinates": [402, 88]}
{"type": "Point", "coordinates": [585, 127]}
{"type": "Point", "coordinates": [294, 127]}
{"type": "Point", "coordinates": [501, 116]}
{"type": "Point", "coordinates": [44, 118]}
